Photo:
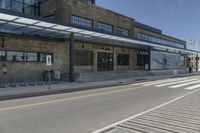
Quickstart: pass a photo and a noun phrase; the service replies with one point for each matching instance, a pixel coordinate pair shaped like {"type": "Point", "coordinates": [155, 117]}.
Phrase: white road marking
{"type": "Point", "coordinates": [159, 82]}
{"type": "Point", "coordinates": [171, 83]}
{"type": "Point", "coordinates": [185, 84]}
{"type": "Point", "coordinates": [137, 115]}
{"type": "Point", "coordinates": [193, 87]}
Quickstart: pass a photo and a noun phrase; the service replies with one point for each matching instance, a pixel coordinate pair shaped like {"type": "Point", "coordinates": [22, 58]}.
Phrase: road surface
{"type": "Point", "coordinates": [88, 111]}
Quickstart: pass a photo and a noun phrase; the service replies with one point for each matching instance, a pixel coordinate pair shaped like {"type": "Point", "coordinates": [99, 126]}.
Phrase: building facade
{"type": "Point", "coordinates": [24, 55]}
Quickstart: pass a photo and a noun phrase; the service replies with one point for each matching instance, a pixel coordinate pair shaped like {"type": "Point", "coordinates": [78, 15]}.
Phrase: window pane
{"type": "Point", "coordinates": [42, 57]}
{"type": "Point", "coordinates": [2, 55]}
{"type": "Point", "coordinates": [82, 21]}
{"type": "Point", "coordinates": [17, 6]}
{"type": "Point", "coordinates": [157, 40]}
{"type": "Point", "coordinates": [22, 6]}
{"type": "Point", "coordinates": [123, 59]}
{"type": "Point", "coordinates": [122, 31]}
{"type": "Point", "coordinates": [32, 57]}
{"type": "Point", "coordinates": [142, 58]}
{"type": "Point", "coordinates": [5, 4]}
{"type": "Point", "coordinates": [105, 27]}
{"type": "Point", "coordinates": [28, 9]}
{"type": "Point", "coordinates": [83, 57]}
{"type": "Point", "coordinates": [15, 56]}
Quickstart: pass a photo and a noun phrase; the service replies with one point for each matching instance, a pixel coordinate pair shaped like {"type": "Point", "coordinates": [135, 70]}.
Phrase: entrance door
{"type": "Point", "coordinates": [105, 61]}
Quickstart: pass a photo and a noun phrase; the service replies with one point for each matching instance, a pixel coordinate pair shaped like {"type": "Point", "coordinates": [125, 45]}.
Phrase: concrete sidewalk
{"type": "Point", "coordinates": [39, 90]}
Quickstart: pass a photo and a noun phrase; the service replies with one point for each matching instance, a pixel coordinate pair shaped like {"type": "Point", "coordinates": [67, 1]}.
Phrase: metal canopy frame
{"type": "Point", "coordinates": [17, 23]}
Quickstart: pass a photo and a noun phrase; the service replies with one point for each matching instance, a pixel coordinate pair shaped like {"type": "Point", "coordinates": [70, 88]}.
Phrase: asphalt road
{"type": "Point", "coordinates": [87, 111]}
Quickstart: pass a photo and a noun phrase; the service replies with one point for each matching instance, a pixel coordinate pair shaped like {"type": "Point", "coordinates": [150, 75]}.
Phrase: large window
{"type": "Point", "coordinates": [15, 56]}
{"type": "Point", "coordinates": [105, 27]}
{"type": "Point", "coordinates": [83, 57]}
{"type": "Point", "coordinates": [76, 20]}
{"type": "Point", "coordinates": [123, 59]}
{"type": "Point", "coordinates": [2, 55]}
{"type": "Point", "coordinates": [31, 57]}
{"type": "Point", "coordinates": [142, 58]}
{"type": "Point", "coordinates": [122, 31]}
{"type": "Point", "coordinates": [21, 56]}
{"type": "Point", "coordinates": [23, 6]}
{"type": "Point", "coordinates": [158, 40]}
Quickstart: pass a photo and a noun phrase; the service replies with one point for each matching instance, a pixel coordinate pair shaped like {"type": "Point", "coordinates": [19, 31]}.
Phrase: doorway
{"type": "Point", "coordinates": [104, 61]}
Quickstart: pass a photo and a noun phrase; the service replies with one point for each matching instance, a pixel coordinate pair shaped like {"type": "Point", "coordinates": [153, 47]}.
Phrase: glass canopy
{"type": "Point", "coordinates": [17, 23]}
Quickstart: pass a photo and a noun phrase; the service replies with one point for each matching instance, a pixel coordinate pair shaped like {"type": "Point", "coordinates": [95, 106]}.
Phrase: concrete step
{"type": "Point", "coordinates": [115, 75]}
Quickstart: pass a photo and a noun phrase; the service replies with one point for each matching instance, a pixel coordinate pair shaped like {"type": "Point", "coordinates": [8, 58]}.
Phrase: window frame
{"type": "Point", "coordinates": [82, 21]}
{"type": "Point", "coordinates": [35, 6]}
{"type": "Point", "coordinates": [122, 31]}
{"type": "Point", "coordinates": [108, 28]}
{"type": "Point", "coordinates": [78, 59]}
{"type": "Point", "coordinates": [125, 59]}
{"type": "Point", "coordinates": [142, 59]}
{"type": "Point", "coordinates": [24, 59]}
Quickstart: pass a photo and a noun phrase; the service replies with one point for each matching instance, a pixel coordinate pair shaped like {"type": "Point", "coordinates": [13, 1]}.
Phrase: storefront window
{"type": "Point", "coordinates": [123, 59]}
{"type": "Point", "coordinates": [31, 57]}
{"type": "Point", "coordinates": [2, 55]}
{"type": "Point", "coordinates": [22, 56]}
{"type": "Point", "coordinates": [15, 56]}
{"type": "Point", "coordinates": [142, 58]}
{"type": "Point", "coordinates": [83, 57]}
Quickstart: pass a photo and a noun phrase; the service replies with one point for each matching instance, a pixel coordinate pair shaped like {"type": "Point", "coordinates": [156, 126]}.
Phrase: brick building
{"type": "Point", "coordinates": [80, 37]}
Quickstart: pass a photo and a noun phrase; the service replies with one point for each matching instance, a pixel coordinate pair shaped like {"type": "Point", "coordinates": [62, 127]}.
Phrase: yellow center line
{"type": "Point", "coordinates": [64, 99]}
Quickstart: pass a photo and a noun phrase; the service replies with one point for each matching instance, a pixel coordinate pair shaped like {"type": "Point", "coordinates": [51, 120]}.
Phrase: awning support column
{"type": "Point", "coordinates": [197, 63]}
{"type": "Point", "coordinates": [71, 58]}
{"type": "Point", "coordinates": [149, 49]}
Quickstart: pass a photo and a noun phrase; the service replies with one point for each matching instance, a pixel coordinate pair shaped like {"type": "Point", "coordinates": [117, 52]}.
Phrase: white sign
{"type": "Point", "coordinates": [48, 60]}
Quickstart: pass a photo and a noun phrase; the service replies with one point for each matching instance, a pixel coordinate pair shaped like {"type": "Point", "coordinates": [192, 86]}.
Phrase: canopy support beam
{"type": "Point", "coordinates": [71, 58]}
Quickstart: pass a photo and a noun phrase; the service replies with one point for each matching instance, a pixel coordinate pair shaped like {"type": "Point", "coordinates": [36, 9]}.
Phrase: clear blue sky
{"type": "Point", "coordinates": [177, 18]}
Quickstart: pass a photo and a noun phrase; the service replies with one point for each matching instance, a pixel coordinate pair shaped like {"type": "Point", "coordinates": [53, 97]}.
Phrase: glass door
{"type": "Point", "coordinates": [105, 61]}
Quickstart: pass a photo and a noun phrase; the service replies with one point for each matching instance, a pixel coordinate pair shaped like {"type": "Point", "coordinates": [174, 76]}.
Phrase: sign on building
{"type": "Point", "coordinates": [48, 60]}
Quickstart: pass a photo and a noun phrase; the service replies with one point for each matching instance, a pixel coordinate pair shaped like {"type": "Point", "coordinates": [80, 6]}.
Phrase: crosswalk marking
{"type": "Point", "coordinates": [188, 83]}
{"type": "Point", "coordinates": [192, 87]}
{"type": "Point", "coordinates": [158, 81]}
{"type": "Point", "coordinates": [164, 81]}
{"type": "Point", "coordinates": [171, 83]}
{"type": "Point", "coordinates": [185, 84]}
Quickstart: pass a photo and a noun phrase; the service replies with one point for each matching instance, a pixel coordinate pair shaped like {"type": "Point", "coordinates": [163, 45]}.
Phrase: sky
{"type": "Point", "coordinates": [177, 18]}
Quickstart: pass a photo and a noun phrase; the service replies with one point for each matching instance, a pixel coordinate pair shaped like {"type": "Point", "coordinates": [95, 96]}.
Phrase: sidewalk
{"type": "Point", "coordinates": [39, 90]}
